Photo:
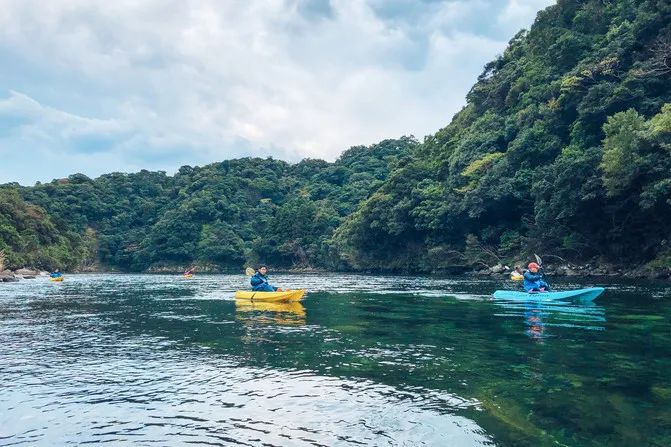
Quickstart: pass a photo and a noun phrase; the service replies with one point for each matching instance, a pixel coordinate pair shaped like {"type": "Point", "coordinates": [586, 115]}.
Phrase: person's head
{"type": "Point", "coordinates": [518, 268]}
{"type": "Point", "coordinates": [263, 269]}
{"type": "Point", "coordinates": [533, 267]}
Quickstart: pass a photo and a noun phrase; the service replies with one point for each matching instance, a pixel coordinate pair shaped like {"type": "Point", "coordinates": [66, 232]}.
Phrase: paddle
{"type": "Point", "coordinates": [250, 272]}
{"type": "Point", "coordinates": [539, 261]}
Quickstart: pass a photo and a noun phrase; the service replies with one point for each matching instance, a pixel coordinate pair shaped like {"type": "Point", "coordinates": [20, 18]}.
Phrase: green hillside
{"type": "Point", "coordinates": [220, 216]}
{"type": "Point", "coordinates": [563, 148]}
{"type": "Point", "coordinates": [29, 237]}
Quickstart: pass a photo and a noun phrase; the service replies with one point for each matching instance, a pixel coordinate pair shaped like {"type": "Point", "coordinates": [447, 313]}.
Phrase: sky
{"type": "Point", "coordinates": [99, 86]}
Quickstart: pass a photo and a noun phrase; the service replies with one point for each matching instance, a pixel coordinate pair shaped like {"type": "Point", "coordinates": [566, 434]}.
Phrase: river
{"type": "Point", "coordinates": [363, 360]}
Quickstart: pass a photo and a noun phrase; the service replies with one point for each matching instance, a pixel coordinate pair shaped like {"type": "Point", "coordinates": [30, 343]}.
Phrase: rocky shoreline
{"type": "Point", "coordinates": [498, 270]}
{"type": "Point", "coordinates": [23, 273]}
{"type": "Point", "coordinates": [640, 272]}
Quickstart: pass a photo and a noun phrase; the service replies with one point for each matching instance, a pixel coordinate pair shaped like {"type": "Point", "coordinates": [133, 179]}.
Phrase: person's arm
{"type": "Point", "coordinates": [529, 276]}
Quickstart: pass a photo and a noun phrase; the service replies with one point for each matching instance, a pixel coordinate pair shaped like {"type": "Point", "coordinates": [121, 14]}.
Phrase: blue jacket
{"type": "Point", "coordinates": [259, 282]}
{"type": "Point", "coordinates": [533, 281]}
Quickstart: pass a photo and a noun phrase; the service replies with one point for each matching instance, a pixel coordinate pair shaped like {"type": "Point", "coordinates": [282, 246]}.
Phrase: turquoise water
{"type": "Point", "coordinates": [161, 360]}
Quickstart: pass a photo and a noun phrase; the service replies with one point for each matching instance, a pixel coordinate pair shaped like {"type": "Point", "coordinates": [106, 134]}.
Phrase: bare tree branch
{"type": "Point", "coordinates": [659, 63]}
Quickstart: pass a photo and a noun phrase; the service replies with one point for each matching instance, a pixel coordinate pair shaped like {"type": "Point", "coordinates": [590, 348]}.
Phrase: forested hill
{"type": "Point", "coordinates": [220, 216]}
{"type": "Point", "coordinates": [563, 148]}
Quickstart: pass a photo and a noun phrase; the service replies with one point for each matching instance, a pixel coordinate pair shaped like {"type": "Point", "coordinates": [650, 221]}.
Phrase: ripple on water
{"type": "Point", "coordinates": [83, 369]}
{"type": "Point", "coordinates": [156, 359]}
{"type": "Point", "coordinates": [174, 399]}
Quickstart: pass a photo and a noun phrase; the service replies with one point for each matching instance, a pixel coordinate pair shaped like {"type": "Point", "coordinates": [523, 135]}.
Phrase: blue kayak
{"type": "Point", "coordinates": [580, 294]}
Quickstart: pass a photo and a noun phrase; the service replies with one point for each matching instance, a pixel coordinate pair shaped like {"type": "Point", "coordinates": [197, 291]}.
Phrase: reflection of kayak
{"type": "Point", "coordinates": [293, 307]}
{"type": "Point", "coordinates": [270, 312]}
{"type": "Point", "coordinates": [515, 277]}
{"type": "Point", "coordinates": [582, 294]}
{"type": "Point", "coordinates": [287, 295]}
{"type": "Point", "coordinates": [58, 279]}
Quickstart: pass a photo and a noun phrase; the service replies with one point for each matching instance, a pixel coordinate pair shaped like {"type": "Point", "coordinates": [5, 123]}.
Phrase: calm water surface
{"type": "Point", "coordinates": [160, 360]}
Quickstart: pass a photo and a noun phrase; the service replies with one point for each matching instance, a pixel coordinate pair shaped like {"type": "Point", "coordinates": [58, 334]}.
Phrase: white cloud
{"type": "Point", "coordinates": [162, 83]}
{"type": "Point", "coordinates": [33, 120]}
{"type": "Point", "coordinates": [517, 13]}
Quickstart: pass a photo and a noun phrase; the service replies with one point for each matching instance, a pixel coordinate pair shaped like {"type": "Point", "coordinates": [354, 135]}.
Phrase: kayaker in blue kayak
{"type": "Point", "coordinates": [533, 280]}
{"type": "Point", "coordinates": [260, 281]}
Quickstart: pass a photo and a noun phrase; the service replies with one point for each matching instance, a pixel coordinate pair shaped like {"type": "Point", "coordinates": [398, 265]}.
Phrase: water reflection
{"type": "Point", "coordinates": [540, 316]}
{"type": "Point", "coordinates": [156, 360]}
{"type": "Point", "coordinates": [534, 318]}
{"type": "Point", "coordinates": [255, 312]}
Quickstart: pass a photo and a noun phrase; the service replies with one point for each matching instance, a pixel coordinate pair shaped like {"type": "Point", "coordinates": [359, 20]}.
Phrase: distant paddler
{"type": "Point", "coordinates": [517, 274]}
{"type": "Point", "coordinates": [56, 276]}
{"type": "Point", "coordinates": [188, 273]}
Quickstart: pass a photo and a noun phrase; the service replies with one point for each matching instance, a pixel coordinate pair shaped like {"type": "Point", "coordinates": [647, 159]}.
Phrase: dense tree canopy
{"type": "Point", "coordinates": [28, 236]}
{"type": "Point", "coordinates": [220, 216]}
{"type": "Point", "coordinates": [563, 148]}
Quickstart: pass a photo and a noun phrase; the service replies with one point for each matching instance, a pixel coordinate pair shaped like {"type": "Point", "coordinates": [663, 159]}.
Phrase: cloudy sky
{"type": "Point", "coordinates": [101, 86]}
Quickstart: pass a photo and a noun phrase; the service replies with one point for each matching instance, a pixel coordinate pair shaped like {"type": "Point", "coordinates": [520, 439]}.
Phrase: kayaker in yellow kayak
{"type": "Point", "coordinates": [259, 281]}
{"type": "Point", "coordinates": [517, 274]}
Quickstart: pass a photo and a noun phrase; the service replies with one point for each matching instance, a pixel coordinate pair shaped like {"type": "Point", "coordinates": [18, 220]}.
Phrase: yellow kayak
{"type": "Point", "coordinates": [188, 276]}
{"type": "Point", "coordinates": [287, 295]}
{"type": "Point", "coordinates": [59, 279]}
{"type": "Point", "coordinates": [516, 277]}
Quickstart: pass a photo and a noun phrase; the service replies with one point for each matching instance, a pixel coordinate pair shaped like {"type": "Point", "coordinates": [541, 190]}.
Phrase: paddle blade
{"type": "Point", "coordinates": [249, 271]}
{"type": "Point", "coordinates": [538, 259]}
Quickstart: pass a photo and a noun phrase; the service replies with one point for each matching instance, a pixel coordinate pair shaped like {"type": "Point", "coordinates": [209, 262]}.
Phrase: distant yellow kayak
{"type": "Point", "coordinates": [287, 295]}
{"type": "Point", "coordinates": [516, 277]}
{"type": "Point", "coordinates": [59, 279]}
{"type": "Point", "coordinates": [188, 276]}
